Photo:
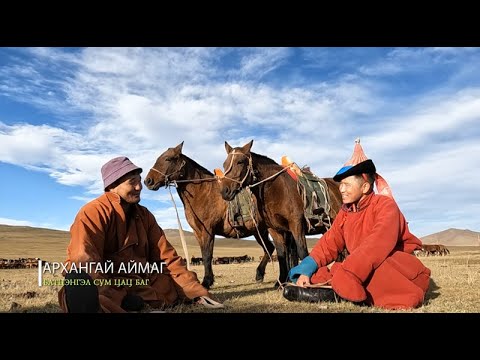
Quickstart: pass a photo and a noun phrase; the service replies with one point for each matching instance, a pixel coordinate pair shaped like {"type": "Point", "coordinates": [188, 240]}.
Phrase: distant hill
{"type": "Point", "coordinates": [25, 241]}
{"type": "Point", "coordinates": [51, 245]}
{"type": "Point", "coordinates": [453, 237]}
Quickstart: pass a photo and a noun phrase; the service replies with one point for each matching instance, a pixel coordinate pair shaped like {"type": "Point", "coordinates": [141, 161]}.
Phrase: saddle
{"type": "Point", "coordinates": [241, 209]}
{"type": "Point", "coordinates": [314, 193]}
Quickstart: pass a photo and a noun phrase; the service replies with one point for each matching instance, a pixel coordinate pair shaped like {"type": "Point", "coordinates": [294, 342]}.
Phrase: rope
{"type": "Point", "coordinates": [269, 178]}
{"type": "Point", "coordinates": [180, 230]}
{"type": "Point", "coordinates": [261, 238]}
{"type": "Point", "coordinates": [324, 189]}
{"type": "Point", "coordinates": [168, 182]}
{"type": "Point", "coordinates": [195, 181]}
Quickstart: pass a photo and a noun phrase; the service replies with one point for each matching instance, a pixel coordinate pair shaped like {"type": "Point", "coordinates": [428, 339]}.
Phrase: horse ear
{"type": "Point", "coordinates": [178, 148]}
{"type": "Point", "coordinates": [228, 148]}
{"type": "Point", "coordinates": [247, 147]}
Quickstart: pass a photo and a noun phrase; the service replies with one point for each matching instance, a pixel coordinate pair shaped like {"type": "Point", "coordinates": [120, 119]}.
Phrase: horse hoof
{"type": "Point", "coordinates": [259, 280]}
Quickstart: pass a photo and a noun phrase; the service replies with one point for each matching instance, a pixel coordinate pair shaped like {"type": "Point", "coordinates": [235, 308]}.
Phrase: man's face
{"type": "Point", "coordinates": [352, 189]}
{"type": "Point", "coordinates": [129, 188]}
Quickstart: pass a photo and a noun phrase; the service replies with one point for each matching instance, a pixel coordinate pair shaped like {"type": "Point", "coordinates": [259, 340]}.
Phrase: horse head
{"type": "Point", "coordinates": [238, 170]}
{"type": "Point", "coordinates": [169, 167]}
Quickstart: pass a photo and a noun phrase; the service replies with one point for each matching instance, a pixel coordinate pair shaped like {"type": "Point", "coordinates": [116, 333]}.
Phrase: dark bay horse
{"type": "Point", "coordinates": [279, 201]}
{"type": "Point", "coordinates": [205, 210]}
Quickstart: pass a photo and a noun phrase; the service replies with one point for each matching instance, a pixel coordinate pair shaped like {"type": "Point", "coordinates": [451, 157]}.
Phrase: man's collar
{"type": "Point", "coordinates": [362, 204]}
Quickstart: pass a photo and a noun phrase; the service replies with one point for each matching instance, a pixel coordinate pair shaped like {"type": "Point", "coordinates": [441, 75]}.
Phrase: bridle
{"type": "Point", "coordinates": [167, 180]}
{"type": "Point", "coordinates": [174, 182]}
{"type": "Point", "coordinates": [249, 168]}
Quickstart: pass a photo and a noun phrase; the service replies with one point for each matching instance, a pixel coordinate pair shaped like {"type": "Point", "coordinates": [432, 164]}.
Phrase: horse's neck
{"type": "Point", "coordinates": [201, 198]}
{"type": "Point", "coordinates": [265, 170]}
{"type": "Point", "coordinates": [194, 172]}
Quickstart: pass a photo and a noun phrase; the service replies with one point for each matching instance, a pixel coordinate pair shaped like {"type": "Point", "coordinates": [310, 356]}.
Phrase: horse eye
{"type": "Point", "coordinates": [168, 159]}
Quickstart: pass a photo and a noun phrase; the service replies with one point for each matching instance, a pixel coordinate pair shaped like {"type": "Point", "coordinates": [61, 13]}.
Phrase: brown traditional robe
{"type": "Point", "coordinates": [101, 233]}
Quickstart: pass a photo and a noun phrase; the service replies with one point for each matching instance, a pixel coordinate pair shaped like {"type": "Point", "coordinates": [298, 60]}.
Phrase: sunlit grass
{"type": "Point", "coordinates": [455, 288]}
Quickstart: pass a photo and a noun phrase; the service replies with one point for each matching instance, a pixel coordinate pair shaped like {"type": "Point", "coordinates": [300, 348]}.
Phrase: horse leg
{"type": "Point", "coordinates": [268, 249]}
{"type": "Point", "coordinates": [298, 232]}
{"type": "Point", "coordinates": [279, 239]}
{"type": "Point", "coordinates": [206, 247]}
{"type": "Point", "coordinates": [292, 254]}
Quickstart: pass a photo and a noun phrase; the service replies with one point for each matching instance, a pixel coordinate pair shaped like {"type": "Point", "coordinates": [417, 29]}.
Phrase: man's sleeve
{"type": "Point", "coordinates": [331, 243]}
{"type": "Point", "coordinates": [162, 250]}
{"type": "Point", "coordinates": [323, 253]}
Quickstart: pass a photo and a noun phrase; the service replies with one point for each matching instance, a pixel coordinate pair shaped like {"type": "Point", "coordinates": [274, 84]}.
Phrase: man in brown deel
{"type": "Point", "coordinates": [112, 233]}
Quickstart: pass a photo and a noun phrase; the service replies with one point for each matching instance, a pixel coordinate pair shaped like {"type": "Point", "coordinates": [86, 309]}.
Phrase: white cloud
{"type": "Point", "coordinates": [411, 60]}
{"type": "Point", "coordinates": [428, 119]}
{"type": "Point", "coordinates": [167, 219]}
{"type": "Point", "coordinates": [140, 101]}
{"type": "Point", "coordinates": [260, 61]}
{"type": "Point", "coordinates": [13, 222]}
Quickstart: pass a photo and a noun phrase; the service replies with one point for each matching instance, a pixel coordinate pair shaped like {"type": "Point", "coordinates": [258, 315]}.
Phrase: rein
{"type": "Point", "coordinates": [180, 231]}
{"type": "Point", "coordinates": [269, 178]}
{"type": "Point", "coordinates": [174, 182]}
{"type": "Point", "coordinates": [252, 216]}
{"type": "Point", "coordinates": [249, 171]}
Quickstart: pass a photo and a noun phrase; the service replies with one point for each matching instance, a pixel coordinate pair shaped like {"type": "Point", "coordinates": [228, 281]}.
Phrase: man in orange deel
{"type": "Point", "coordinates": [115, 247]}
{"type": "Point", "coordinates": [380, 269]}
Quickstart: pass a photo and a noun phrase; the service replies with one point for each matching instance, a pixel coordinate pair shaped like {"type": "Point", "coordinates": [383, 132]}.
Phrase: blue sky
{"type": "Point", "coordinates": [66, 111]}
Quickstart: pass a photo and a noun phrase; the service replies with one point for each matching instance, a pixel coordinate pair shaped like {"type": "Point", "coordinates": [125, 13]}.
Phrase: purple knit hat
{"type": "Point", "coordinates": [115, 169]}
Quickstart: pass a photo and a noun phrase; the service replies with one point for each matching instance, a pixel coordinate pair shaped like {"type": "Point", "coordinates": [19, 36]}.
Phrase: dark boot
{"type": "Point", "coordinates": [80, 294]}
{"type": "Point", "coordinates": [313, 295]}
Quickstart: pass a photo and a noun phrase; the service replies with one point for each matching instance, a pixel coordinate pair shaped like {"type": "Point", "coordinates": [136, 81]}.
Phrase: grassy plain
{"type": "Point", "coordinates": [455, 288]}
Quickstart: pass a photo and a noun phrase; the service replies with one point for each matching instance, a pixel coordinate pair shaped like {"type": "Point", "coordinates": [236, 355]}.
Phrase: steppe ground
{"type": "Point", "coordinates": [455, 288]}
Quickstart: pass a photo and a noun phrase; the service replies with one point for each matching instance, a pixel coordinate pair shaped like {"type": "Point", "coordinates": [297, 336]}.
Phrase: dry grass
{"type": "Point", "coordinates": [455, 288]}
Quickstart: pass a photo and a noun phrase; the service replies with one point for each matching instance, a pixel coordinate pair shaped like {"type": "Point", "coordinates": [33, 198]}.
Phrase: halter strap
{"type": "Point", "coordinates": [167, 181]}
{"type": "Point", "coordinates": [230, 166]}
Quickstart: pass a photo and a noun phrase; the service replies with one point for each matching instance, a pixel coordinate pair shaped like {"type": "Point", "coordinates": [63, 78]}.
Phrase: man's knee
{"type": "Point", "coordinates": [81, 294]}
{"type": "Point", "coordinates": [132, 302]}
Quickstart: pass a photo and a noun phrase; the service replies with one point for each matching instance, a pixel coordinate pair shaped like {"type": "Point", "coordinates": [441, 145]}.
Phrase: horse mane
{"type": "Point", "coordinates": [263, 160]}
{"type": "Point", "coordinates": [197, 165]}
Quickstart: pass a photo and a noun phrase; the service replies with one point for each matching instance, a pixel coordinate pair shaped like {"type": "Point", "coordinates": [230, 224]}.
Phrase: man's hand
{"type": "Point", "coordinates": [303, 280]}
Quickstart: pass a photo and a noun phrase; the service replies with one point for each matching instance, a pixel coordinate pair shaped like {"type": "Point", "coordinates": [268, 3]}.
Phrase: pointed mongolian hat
{"type": "Point", "coordinates": [359, 164]}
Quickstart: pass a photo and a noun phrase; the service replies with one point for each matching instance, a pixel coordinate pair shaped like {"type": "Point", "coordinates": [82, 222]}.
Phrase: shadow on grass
{"type": "Point", "coordinates": [227, 292]}
{"type": "Point", "coordinates": [48, 308]}
{"type": "Point", "coordinates": [433, 292]}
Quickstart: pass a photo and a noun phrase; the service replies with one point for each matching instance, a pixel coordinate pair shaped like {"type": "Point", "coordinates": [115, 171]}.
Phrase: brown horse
{"type": "Point", "coordinates": [205, 210]}
{"type": "Point", "coordinates": [279, 200]}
